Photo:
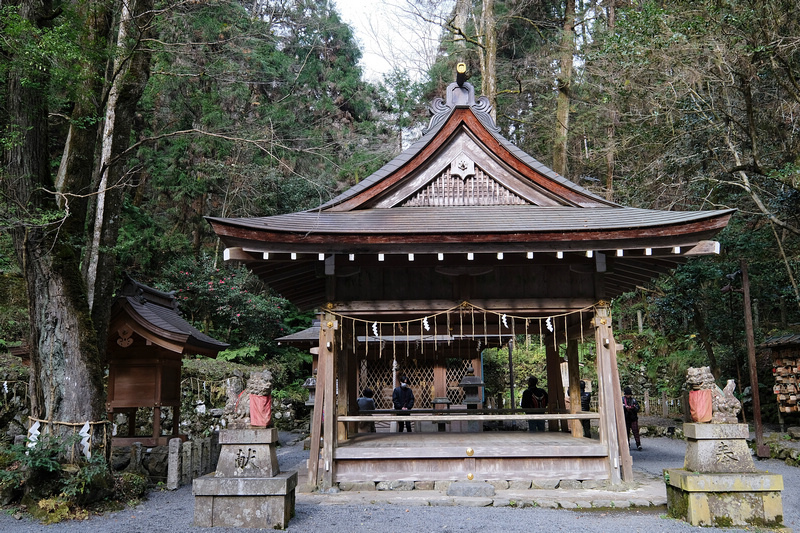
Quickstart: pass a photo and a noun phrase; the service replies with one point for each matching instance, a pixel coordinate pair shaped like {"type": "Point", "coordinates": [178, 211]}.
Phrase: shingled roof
{"type": "Point", "coordinates": [157, 313]}
{"type": "Point", "coordinates": [463, 188]}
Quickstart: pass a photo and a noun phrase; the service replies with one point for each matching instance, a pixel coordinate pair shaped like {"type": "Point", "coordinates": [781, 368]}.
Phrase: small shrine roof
{"type": "Point", "coordinates": [158, 312]}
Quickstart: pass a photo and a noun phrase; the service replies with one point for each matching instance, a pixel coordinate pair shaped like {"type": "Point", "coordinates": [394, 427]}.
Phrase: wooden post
{"type": "Point", "coordinates": [640, 320]}
{"type": "Point", "coordinates": [762, 450]}
{"type": "Point", "coordinates": [327, 350]}
{"type": "Point", "coordinates": [574, 386]}
{"type": "Point", "coordinates": [346, 388]}
{"type": "Point", "coordinates": [316, 418]}
{"type": "Point", "coordinates": [555, 390]}
{"type": "Point", "coordinates": [511, 373]}
{"type": "Point", "coordinates": [612, 418]}
{"type": "Point", "coordinates": [664, 405]}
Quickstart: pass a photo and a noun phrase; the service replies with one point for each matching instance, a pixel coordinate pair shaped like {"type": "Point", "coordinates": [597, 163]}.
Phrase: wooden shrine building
{"type": "Point", "coordinates": [462, 242]}
{"type": "Point", "coordinates": [146, 343]}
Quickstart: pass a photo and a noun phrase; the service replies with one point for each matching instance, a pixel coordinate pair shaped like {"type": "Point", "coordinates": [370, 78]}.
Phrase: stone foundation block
{"type": "Point", "coordinates": [245, 502]}
{"type": "Point", "coordinates": [470, 489]}
{"type": "Point", "coordinates": [725, 499]}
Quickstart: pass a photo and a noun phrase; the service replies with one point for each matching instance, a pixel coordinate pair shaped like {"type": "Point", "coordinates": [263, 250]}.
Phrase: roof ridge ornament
{"type": "Point", "coordinates": [461, 94]}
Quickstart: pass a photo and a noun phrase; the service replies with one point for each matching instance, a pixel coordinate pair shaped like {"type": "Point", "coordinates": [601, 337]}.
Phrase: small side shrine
{"type": "Point", "coordinates": [146, 343]}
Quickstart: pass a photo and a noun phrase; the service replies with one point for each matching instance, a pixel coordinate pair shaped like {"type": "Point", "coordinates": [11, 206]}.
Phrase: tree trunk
{"type": "Point", "coordinates": [460, 21]}
{"type": "Point", "coordinates": [130, 75]}
{"type": "Point", "coordinates": [612, 118]}
{"type": "Point", "coordinates": [66, 377]}
{"type": "Point", "coordinates": [489, 56]}
{"type": "Point", "coordinates": [564, 81]}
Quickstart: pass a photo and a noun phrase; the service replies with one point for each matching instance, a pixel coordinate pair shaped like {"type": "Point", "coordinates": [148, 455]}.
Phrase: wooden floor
{"type": "Point", "coordinates": [509, 455]}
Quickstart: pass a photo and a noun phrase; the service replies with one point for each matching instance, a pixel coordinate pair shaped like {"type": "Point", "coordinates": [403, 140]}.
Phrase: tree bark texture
{"type": "Point", "coordinates": [66, 377]}
{"type": "Point", "coordinates": [489, 56]}
{"type": "Point", "coordinates": [564, 81]}
{"type": "Point", "coordinates": [130, 75]}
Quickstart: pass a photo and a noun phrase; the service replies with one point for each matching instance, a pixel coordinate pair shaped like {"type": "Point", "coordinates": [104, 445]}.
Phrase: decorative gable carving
{"type": "Point", "coordinates": [462, 166]}
{"type": "Point", "coordinates": [450, 189]}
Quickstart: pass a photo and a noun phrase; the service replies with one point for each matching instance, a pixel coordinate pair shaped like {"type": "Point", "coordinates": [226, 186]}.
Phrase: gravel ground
{"type": "Point", "coordinates": [173, 511]}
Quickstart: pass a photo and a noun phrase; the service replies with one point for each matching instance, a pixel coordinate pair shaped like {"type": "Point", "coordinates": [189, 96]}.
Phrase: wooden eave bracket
{"type": "Point", "coordinates": [705, 248]}
{"type": "Point", "coordinates": [238, 254]}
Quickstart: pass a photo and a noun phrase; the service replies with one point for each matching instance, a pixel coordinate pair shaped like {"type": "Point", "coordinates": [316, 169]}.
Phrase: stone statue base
{"type": "Point", "coordinates": [247, 490]}
{"type": "Point", "coordinates": [719, 485]}
{"type": "Point", "coordinates": [725, 500]}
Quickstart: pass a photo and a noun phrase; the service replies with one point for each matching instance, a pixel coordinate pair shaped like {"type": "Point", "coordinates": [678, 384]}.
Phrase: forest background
{"type": "Point", "coordinates": [124, 124]}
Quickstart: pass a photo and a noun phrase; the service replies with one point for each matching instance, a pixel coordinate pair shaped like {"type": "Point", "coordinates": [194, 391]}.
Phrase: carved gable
{"type": "Point", "coordinates": [450, 189]}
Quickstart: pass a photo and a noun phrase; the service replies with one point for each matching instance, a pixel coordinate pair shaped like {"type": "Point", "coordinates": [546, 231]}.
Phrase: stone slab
{"type": "Point", "coordinates": [470, 489]}
{"type": "Point", "coordinates": [715, 431]}
{"type": "Point", "coordinates": [357, 485]}
{"type": "Point", "coordinates": [282, 484]}
{"type": "Point", "coordinates": [724, 482]}
{"type": "Point", "coordinates": [248, 436]}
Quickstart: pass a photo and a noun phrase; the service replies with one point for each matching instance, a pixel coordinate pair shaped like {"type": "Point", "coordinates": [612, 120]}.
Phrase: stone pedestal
{"type": "Point", "coordinates": [247, 490]}
{"type": "Point", "coordinates": [719, 485]}
{"type": "Point", "coordinates": [715, 448]}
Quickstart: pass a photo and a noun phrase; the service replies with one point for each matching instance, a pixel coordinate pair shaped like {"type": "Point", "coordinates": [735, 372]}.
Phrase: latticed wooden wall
{"type": "Point", "coordinates": [377, 375]}
{"type": "Point", "coordinates": [456, 369]}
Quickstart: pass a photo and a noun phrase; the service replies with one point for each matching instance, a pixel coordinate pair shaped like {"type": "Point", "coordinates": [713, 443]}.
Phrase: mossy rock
{"type": "Point", "coordinates": [129, 486]}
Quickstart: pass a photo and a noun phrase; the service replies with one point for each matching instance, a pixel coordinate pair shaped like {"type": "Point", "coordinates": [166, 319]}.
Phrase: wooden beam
{"type": "Point", "coordinates": [538, 307]}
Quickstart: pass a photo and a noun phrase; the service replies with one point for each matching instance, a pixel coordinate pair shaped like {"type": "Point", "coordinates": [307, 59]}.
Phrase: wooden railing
{"type": "Point", "coordinates": [482, 415]}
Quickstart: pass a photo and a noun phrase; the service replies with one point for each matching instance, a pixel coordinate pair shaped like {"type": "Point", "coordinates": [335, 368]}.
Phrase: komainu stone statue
{"type": "Point", "coordinates": [724, 407]}
{"type": "Point", "coordinates": [253, 405]}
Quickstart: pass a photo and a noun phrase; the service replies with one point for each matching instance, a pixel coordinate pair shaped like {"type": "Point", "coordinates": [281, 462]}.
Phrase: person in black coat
{"type": "Point", "coordinates": [403, 400]}
{"type": "Point", "coordinates": [586, 405]}
{"type": "Point", "coordinates": [631, 407]}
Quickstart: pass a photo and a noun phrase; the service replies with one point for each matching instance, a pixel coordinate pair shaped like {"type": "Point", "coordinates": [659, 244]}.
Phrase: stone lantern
{"type": "Point", "coordinates": [472, 385]}
{"type": "Point", "coordinates": [311, 385]}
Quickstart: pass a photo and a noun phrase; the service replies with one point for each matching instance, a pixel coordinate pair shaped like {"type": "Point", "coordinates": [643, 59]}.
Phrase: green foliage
{"type": "Point", "coordinates": [228, 303]}
{"type": "Point", "coordinates": [528, 360]}
{"type": "Point", "coordinates": [53, 489]}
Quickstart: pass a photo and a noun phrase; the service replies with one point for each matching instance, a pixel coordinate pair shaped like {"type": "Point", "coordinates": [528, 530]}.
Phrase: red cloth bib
{"type": "Point", "coordinates": [700, 405]}
{"type": "Point", "coordinates": [260, 410]}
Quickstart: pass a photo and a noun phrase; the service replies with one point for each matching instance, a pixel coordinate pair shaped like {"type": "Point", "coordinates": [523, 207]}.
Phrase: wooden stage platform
{"type": "Point", "coordinates": [490, 455]}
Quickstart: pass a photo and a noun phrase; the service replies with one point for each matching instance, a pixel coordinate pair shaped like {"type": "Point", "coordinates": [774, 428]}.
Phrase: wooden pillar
{"type": "Point", "coordinates": [327, 350]}
{"type": "Point", "coordinates": [612, 418]}
{"type": "Point", "coordinates": [344, 380]}
{"type": "Point", "coordinates": [555, 390]}
{"type": "Point", "coordinates": [573, 365]}
{"type": "Point", "coordinates": [324, 405]}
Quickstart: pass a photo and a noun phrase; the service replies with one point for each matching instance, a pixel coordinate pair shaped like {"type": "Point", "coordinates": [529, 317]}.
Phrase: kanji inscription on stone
{"type": "Point", "coordinates": [725, 454]}
{"type": "Point", "coordinates": [243, 458]}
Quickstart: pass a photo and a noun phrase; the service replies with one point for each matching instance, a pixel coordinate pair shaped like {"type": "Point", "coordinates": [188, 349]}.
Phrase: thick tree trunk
{"type": "Point", "coordinates": [564, 81]}
{"type": "Point", "coordinates": [66, 378]}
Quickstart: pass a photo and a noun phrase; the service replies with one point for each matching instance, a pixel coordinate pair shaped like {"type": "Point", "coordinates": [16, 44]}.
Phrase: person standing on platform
{"type": "Point", "coordinates": [586, 406]}
{"type": "Point", "coordinates": [631, 417]}
{"type": "Point", "coordinates": [403, 400]}
{"type": "Point", "coordinates": [534, 398]}
{"type": "Point", "coordinates": [366, 403]}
